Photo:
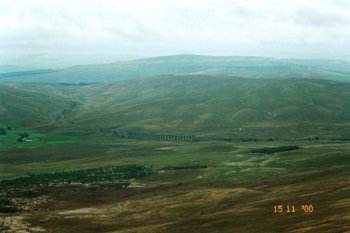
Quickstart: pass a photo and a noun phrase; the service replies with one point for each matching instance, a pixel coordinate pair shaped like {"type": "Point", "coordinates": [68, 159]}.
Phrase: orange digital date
{"type": "Point", "coordinates": [292, 209]}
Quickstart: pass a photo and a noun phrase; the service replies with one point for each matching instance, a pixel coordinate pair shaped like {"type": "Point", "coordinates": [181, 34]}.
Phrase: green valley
{"type": "Point", "coordinates": [177, 150]}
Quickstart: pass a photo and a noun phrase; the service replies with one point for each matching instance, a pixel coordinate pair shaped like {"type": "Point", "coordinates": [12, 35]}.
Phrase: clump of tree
{"type": "Point", "coordinates": [314, 138]}
{"type": "Point", "coordinates": [100, 174]}
{"type": "Point", "coordinates": [34, 185]}
{"type": "Point", "coordinates": [181, 167]}
{"type": "Point", "coordinates": [22, 136]}
{"type": "Point", "coordinates": [2, 131]}
{"type": "Point", "coordinates": [272, 150]}
{"type": "Point", "coordinates": [341, 139]}
{"type": "Point", "coordinates": [249, 139]}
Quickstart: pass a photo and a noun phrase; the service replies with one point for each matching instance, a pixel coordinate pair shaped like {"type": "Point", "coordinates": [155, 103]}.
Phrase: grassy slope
{"type": "Point", "coordinates": [207, 105]}
{"type": "Point", "coordinates": [28, 106]}
{"type": "Point", "coordinates": [197, 105]}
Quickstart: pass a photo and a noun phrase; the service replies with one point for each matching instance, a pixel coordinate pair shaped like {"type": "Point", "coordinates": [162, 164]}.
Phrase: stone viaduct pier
{"type": "Point", "coordinates": [158, 137]}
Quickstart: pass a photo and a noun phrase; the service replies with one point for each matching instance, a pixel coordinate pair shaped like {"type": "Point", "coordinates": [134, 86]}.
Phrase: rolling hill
{"type": "Point", "coordinates": [13, 68]}
{"type": "Point", "coordinates": [253, 67]}
{"type": "Point", "coordinates": [201, 105]}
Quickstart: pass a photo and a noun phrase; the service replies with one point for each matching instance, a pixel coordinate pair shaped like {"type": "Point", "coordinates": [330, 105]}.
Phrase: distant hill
{"type": "Point", "coordinates": [11, 68]}
{"type": "Point", "coordinates": [252, 67]}
{"type": "Point", "coordinates": [186, 104]}
{"type": "Point", "coordinates": [326, 64]}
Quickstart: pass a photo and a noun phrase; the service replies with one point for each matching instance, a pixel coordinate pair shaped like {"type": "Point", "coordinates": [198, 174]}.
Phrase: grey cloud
{"type": "Point", "coordinates": [66, 28]}
{"type": "Point", "coordinates": [320, 19]}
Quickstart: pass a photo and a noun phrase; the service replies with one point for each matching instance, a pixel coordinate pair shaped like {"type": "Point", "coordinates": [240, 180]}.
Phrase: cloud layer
{"type": "Point", "coordinates": [64, 31]}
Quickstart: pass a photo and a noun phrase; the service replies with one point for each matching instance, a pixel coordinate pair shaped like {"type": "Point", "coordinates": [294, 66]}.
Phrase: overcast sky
{"type": "Point", "coordinates": [68, 32]}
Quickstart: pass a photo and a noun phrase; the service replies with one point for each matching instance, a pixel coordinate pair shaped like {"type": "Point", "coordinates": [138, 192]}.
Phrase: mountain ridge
{"type": "Point", "coordinates": [250, 67]}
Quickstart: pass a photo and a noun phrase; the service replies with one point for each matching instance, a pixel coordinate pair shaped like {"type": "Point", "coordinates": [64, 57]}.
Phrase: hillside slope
{"type": "Point", "coordinates": [197, 105]}
{"type": "Point", "coordinates": [30, 105]}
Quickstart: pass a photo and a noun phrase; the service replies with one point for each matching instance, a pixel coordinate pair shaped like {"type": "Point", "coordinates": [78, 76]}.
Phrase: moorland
{"type": "Point", "coordinates": [262, 133]}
